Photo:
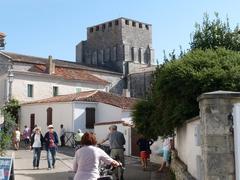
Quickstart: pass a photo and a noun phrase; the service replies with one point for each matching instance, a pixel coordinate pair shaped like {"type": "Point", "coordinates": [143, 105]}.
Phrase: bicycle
{"type": "Point", "coordinates": [106, 171]}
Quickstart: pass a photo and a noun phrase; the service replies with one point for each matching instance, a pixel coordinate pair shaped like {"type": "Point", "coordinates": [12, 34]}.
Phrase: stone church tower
{"type": "Point", "coordinates": [122, 45]}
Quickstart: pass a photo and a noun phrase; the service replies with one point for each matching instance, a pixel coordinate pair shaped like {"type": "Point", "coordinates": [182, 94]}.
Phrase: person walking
{"type": "Point", "coordinates": [117, 142]}
{"type": "Point", "coordinates": [62, 135]}
{"type": "Point", "coordinates": [51, 142]}
{"type": "Point", "coordinates": [87, 159]}
{"type": "Point", "coordinates": [26, 136]}
{"type": "Point", "coordinates": [16, 138]}
{"type": "Point", "coordinates": [144, 147]}
{"type": "Point", "coordinates": [165, 153]}
{"type": "Point", "coordinates": [78, 137]}
{"type": "Point", "coordinates": [36, 144]}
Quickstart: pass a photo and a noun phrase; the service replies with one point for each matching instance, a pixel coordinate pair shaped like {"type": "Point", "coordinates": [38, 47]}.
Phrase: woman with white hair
{"type": "Point", "coordinates": [36, 144]}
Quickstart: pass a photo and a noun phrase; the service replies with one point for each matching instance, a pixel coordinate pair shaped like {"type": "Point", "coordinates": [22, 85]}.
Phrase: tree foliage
{"type": "Point", "coordinates": [214, 34]}
{"type": "Point", "coordinates": [10, 112]}
{"type": "Point", "coordinates": [177, 84]}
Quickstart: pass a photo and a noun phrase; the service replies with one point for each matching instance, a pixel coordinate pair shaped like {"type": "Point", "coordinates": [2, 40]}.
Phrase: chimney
{"type": "Point", "coordinates": [50, 65]}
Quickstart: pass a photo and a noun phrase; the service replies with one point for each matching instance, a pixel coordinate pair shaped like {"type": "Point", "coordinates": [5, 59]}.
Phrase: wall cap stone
{"type": "Point", "coordinates": [219, 94]}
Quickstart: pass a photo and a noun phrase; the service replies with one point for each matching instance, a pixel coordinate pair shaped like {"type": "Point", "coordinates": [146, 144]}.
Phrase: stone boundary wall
{"type": "Point", "coordinates": [179, 168]}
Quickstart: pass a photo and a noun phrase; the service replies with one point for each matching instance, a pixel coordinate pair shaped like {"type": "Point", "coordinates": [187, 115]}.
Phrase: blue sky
{"type": "Point", "coordinates": [54, 27]}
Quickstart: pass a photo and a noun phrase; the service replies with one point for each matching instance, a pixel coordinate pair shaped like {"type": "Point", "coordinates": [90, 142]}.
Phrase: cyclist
{"type": "Point", "coordinates": [117, 142]}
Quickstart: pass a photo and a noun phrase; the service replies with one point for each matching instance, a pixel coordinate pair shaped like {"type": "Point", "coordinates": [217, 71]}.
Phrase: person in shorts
{"type": "Point", "coordinates": [144, 147]}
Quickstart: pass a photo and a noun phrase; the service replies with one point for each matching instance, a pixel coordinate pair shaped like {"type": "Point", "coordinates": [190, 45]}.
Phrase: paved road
{"type": "Point", "coordinates": [24, 171]}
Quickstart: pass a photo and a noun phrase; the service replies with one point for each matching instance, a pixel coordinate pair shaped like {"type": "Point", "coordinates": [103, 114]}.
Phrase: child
{"type": "Point", "coordinates": [144, 146]}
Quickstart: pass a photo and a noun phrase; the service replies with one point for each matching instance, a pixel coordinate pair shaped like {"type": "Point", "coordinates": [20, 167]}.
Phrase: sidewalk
{"type": "Point", "coordinates": [24, 171]}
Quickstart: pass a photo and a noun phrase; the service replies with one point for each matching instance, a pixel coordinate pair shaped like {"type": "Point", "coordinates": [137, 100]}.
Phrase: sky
{"type": "Point", "coordinates": [55, 27]}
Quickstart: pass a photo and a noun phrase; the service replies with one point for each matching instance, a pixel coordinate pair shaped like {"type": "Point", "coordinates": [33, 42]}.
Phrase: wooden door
{"type": "Point", "coordinates": [49, 116]}
{"type": "Point", "coordinates": [32, 121]}
{"type": "Point", "coordinates": [134, 138]}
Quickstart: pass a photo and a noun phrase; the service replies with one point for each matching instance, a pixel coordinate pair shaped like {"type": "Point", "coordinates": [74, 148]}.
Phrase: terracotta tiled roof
{"type": "Point", "coordinates": [20, 58]}
{"type": "Point", "coordinates": [70, 74]}
{"type": "Point", "coordinates": [114, 122]}
{"type": "Point", "coordinates": [92, 96]}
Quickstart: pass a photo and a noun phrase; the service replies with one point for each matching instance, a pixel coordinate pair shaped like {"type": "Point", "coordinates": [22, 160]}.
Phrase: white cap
{"type": "Point", "coordinates": [50, 126]}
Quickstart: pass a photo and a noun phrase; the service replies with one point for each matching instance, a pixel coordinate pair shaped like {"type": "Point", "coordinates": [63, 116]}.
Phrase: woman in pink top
{"type": "Point", "coordinates": [88, 157]}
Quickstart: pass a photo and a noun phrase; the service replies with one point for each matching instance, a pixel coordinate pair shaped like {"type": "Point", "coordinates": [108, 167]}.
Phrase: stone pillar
{"type": "Point", "coordinates": [141, 54]}
{"type": "Point", "coordinates": [120, 52]}
{"type": "Point", "coordinates": [127, 53]}
{"type": "Point", "coordinates": [152, 57]}
{"type": "Point", "coordinates": [94, 57]}
{"type": "Point", "coordinates": [100, 57]}
{"type": "Point", "coordinates": [216, 138]}
{"type": "Point", "coordinates": [88, 57]}
{"type": "Point", "coordinates": [113, 54]}
{"type": "Point", "coordinates": [107, 55]}
{"type": "Point", "coordinates": [135, 54]}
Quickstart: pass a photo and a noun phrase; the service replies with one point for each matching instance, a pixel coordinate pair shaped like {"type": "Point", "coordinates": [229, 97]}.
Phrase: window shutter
{"type": "Point", "coordinates": [90, 118]}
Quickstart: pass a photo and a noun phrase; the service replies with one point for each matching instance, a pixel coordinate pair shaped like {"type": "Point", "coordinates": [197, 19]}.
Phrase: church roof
{"type": "Point", "coordinates": [15, 57]}
{"type": "Point", "coordinates": [63, 69]}
{"type": "Point", "coordinates": [92, 96]}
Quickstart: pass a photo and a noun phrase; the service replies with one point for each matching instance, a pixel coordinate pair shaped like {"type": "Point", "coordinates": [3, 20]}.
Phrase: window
{"type": "Point", "coordinates": [116, 22]}
{"type": "Point", "coordinates": [49, 116]}
{"type": "Point", "coordinates": [110, 24]}
{"type": "Point", "coordinates": [32, 121]}
{"type": "Point", "coordinates": [91, 29]}
{"type": "Point", "coordinates": [90, 118]}
{"type": "Point", "coordinates": [134, 24]}
{"type": "Point", "coordinates": [78, 90]}
{"type": "Point", "coordinates": [55, 91]}
{"type": "Point", "coordinates": [127, 22]}
{"type": "Point", "coordinates": [30, 90]}
{"type": "Point", "coordinates": [146, 26]}
{"type": "Point", "coordinates": [97, 28]}
{"type": "Point", "coordinates": [140, 25]}
{"type": "Point", "coordinates": [132, 54]}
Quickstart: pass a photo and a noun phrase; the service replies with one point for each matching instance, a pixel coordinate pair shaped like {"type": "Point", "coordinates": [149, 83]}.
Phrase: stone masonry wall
{"type": "Point", "coordinates": [139, 84]}
{"type": "Point", "coordinates": [111, 43]}
{"type": "Point", "coordinates": [216, 138]}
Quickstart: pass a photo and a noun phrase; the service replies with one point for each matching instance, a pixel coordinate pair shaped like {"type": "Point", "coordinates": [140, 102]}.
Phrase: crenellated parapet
{"type": "Point", "coordinates": [115, 42]}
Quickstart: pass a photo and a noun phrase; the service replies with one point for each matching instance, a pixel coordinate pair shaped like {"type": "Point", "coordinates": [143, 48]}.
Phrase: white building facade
{"type": "Point", "coordinates": [88, 111]}
{"type": "Point", "coordinates": [39, 78]}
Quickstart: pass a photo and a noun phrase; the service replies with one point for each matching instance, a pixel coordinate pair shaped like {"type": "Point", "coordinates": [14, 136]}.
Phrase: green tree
{"type": "Point", "coordinates": [177, 84]}
{"type": "Point", "coordinates": [9, 111]}
{"type": "Point", "coordinates": [214, 34]}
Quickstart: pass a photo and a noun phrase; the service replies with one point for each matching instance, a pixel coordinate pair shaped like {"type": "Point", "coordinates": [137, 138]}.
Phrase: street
{"type": "Point", "coordinates": [24, 171]}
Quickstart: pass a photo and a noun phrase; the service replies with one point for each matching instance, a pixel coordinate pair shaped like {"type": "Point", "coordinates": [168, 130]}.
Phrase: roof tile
{"type": "Point", "coordinates": [92, 96]}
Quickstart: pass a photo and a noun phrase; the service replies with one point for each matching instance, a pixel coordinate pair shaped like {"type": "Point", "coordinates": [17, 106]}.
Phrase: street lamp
{"type": "Point", "coordinates": [10, 81]}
